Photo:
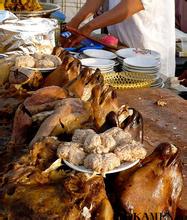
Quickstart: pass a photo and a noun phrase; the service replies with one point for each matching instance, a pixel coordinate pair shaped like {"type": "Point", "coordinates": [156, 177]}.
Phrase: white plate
{"type": "Point", "coordinates": [102, 54]}
{"type": "Point", "coordinates": [43, 70]}
{"type": "Point", "coordinates": [153, 71]}
{"type": "Point", "coordinates": [142, 62]}
{"type": "Point", "coordinates": [122, 167]}
{"type": "Point", "coordinates": [131, 52]}
{"type": "Point", "coordinates": [3, 56]}
{"type": "Point", "coordinates": [158, 83]}
{"type": "Point", "coordinates": [94, 62]}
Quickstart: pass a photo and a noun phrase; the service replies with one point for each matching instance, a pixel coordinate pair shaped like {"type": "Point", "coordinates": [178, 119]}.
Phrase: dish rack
{"type": "Point", "coordinates": [128, 80]}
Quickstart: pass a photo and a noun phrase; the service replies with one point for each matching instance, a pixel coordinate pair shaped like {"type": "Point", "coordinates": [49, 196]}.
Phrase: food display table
{"type": "Point", "coordinates": [165, 120]}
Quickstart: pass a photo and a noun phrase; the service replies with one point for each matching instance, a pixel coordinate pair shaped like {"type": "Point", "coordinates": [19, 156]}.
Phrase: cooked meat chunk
{"type": "Point", "coordinates": [24, 61]}
{"type": "Point", "coordinates": [101, 162]}
{"type": "Point", "coordinates": [123, 137]}
{"type": "Point", "coordinates": [108, 142]}
{"type": "Point", "coordinates": [71, 152]}
{"type": "Point", "coordinates": [47, 63]}
{"type": "Point", "coordinates": [130, 152]}
{"type": "Point", "coordinates": [80, 135]}
{"type": "Point", "coordinates": [56, 60]}
{"type": "Point", "coordinates": [92, 143]}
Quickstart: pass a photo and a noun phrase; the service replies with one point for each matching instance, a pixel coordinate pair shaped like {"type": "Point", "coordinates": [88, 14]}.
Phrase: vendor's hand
{"type": "Point", "coordinates": [75, 39]}
{"type": "Point", "coordinates": [183, 78]}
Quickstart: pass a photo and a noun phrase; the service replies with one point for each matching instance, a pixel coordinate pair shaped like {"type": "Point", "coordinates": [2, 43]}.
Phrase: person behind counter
{"type": "Point", "coordinates": [146, 24]}
{"type": "Point", "coordinates": [181, 15]}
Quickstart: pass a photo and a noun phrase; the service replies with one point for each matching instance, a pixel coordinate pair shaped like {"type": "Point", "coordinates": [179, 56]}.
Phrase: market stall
{"type": "Point", "coordinates": [77, 140]}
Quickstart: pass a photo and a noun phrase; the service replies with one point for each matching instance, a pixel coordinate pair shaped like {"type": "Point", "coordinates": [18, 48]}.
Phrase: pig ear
{"type": "Point", "coordinates": [110, 122]}
{"type": "Point", "coordinates": [133, 124]}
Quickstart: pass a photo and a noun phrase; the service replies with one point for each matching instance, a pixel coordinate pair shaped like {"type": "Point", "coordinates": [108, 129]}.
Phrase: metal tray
{"type": "Point", "coordinates": [48, 8]}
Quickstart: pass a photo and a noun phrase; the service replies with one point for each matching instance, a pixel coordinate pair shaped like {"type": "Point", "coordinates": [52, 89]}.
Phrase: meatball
{"type": "Point", "coordinates": [71, 152]}
{"type": "Point", "coordinates": [44, 64]}
{"type": "Point", "coordinates": [130, 152]}
{"type": "Point", "coordinates": [25, 61]}
{"type": "Point", "coordinates": [101, 163]}
{"type": "Point", "coordinates": [80, 135]}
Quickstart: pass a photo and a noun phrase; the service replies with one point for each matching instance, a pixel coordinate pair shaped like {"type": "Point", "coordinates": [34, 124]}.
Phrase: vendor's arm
{"type": "Point", "coordinates": [89, 8]}
{"type": "Point", "coordinates": [122, 11]}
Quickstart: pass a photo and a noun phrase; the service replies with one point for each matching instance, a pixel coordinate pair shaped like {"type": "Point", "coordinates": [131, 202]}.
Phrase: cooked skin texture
{"type": "Point", "coordinates": [130, 151]}
{"type": "Point", "coordinates": [72, 152]}
{"type": "Point", "coordinates": [71, 114]}
{"type": "Point", "coordinates": [60, 76]}
{"type": "Point", "coordinates": [103, 101]}
{"type": "Point", "coordinates": [64, 198]}
{"type": "Point", "coordinates": [47, 63]}
{"type": "Point", "coordinates": [80, 135]}
{"type": "Point", "coordinates": [44, 99]}
{"type": "Point", "coordinates": [108, 141]}
{"type": "Point", "coordinates": [25, 61]}
{"type": "Point", "coordinates": [92, 143]}
{"type": "Point", "coordinates": [55, 59]}
{"type": "Point", "coordinates": [24, 76]}
{"type": "Point", "coordinates": [156, 186]}
{"type": "Point", "coordinates": [101, 163]}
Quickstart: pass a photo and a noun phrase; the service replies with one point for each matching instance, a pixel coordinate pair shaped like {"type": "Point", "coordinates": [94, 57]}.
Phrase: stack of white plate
{"type": "Point", "coordinates": [131, 52]}
{"type": "Point", "coordinates": [105, 65]}
{"type": "Point", "coordinates": [144, 65]}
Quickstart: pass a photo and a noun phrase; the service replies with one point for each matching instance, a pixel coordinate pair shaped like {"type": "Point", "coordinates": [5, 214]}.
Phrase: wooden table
{"type": "Point", "coordinates": [161, 123]}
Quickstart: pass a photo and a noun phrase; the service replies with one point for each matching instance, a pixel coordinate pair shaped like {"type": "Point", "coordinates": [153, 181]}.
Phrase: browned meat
{"type": "Point", "coordinates": [103, 101]}
{"type": "Point", "coordinates": [60, 52]}
{"type": "Point", "coordinates": [44, 99]}
{"type": "Point", "coordinates": [25, 77]}
{"type": "Point", "coordinates": [71, 114]}
{"type": "Point", "coordinates": [84, 83]}
{"type": "Point", "coordinates": [156, 186]}
{"type": "Point", "coordinates": [74, 198]}
{"type": "Point", "coordinates": [60, 76]}
{"type": "Point", "coordinates": [28, 192]}
{"type": "Point", "coordinates": [21, 125]}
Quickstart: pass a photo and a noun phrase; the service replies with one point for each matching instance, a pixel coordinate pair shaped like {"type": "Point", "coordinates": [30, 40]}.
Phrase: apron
{"type": "Point", "coordinates": [152, 28]}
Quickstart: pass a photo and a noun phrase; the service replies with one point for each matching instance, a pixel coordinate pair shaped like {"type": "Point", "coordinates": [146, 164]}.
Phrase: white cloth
{"type": "Point", "coordinates": [152, 28]}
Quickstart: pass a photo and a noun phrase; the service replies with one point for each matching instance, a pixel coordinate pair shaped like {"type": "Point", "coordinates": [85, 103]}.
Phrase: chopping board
{"type": "Point", "coordinates": [165, 120]}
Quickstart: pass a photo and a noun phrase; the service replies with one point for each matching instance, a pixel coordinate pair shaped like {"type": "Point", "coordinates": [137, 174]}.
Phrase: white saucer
{"type": "Point", "coordinates": [94, 62]}
{"type": "Point", "coordinates": [131, 52]}
{"type": "Point", "coordinates": [83, 169]}
{"type": "Point", "coordinates": [102, 54]}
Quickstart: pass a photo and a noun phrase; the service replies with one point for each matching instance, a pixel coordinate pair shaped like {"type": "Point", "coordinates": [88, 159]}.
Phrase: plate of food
{"type": "Point", "coordinates": [33, 8]}
{"type": "Point", "coordinates": [109, 152]}
{"type": "Point", "coordinates": [38, 62]}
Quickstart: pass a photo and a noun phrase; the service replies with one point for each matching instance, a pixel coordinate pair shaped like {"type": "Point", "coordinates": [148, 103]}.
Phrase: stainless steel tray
{"type": "Point", "coordinates": [48, 8]}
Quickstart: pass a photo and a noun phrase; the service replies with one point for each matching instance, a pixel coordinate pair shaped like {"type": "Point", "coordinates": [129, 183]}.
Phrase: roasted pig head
{"type": "Point", "coordinates": [103, 101]}
{"type": "Point", "coordinates": [74, 197]}
{"type": "Point", "coordinates": [68, 70]}
{"type": "Point", "coordinates": [70, 114]}
{"type": "Point", "coordinates": [154, 188]}
{"type": "Point", "coordinates": [82, 86]}
{"type": "Point", "coordinates": [43, 100]}
{"type": "Point", "coordinates": [131, 120]}
{"type": "Point", "coordinates": [60, 52]}
{"type": "Point", "coordinates": [25, 78]}
{"type": "Point", "coordinates": [126, 118]}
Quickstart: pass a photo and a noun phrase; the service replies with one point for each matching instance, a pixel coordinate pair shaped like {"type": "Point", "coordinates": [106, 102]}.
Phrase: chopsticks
{"type": "Point", "coordinates": [76, 32]}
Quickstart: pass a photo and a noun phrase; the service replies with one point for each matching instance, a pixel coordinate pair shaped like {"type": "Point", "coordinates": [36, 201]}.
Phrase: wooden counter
{"type": "Point", "coordinates": [161, 123]}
